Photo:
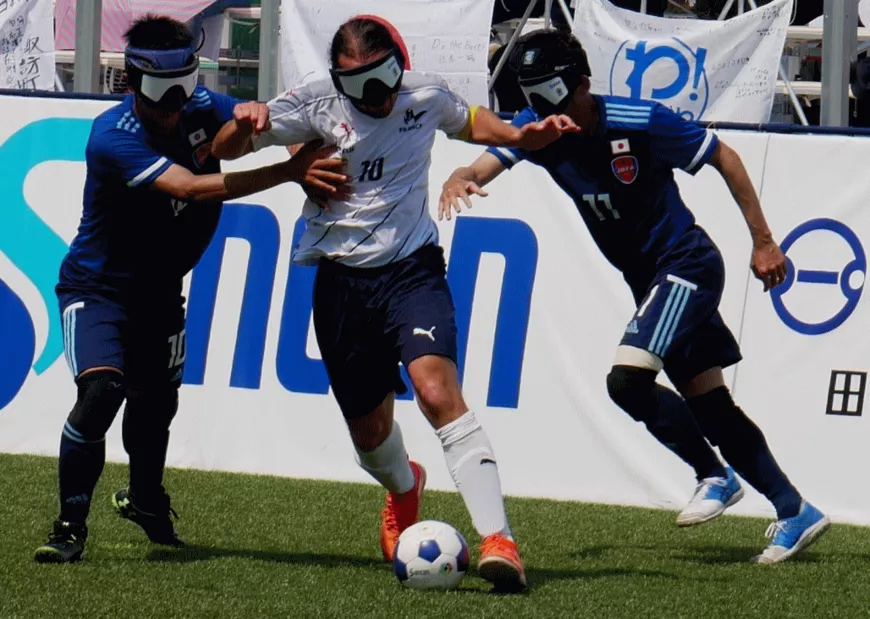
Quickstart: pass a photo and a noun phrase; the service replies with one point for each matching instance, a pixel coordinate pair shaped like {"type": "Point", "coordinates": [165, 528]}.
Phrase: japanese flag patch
{"type": "Point", "coordinates": [617, 147]}
{"type": "Point", "coordinates": [197, 137]}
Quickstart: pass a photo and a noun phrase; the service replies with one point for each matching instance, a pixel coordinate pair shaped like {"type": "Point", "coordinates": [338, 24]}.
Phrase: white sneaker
{"type": "Point", "coordinates": [712, 497]}
{"type": "Point", "coordinates": [788, 537]}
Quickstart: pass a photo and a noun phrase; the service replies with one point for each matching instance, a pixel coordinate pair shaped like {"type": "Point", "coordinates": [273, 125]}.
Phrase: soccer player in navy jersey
{"type": "Point", "coordinates": [152, 200]}
{"type": "Point", "coordinates": [619, 173]}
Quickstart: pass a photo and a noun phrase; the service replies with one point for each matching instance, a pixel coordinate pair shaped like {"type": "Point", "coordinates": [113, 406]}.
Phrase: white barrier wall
{"type": "Point", "coordinates": [256, 397]}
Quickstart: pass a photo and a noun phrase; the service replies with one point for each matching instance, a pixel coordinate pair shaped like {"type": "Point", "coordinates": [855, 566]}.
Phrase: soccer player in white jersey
{"type": "Point", "coordinates": [381, 295]}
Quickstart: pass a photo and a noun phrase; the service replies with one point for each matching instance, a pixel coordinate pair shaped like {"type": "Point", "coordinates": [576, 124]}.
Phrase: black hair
{"type": "Point", "coordinates": [506, 89]}
{"type": "Point", "coordinates": [553, 49]}
{"type": "Point", "coordinates": [359, 38]}
{"type": "Point", "coordinates": [158, 32]}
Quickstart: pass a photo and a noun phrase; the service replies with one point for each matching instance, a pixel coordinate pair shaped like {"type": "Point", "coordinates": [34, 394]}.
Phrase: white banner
{"type": "Point", "coordinates": [26, 44]}
{"type": "Point", "coordinates": [527, 281]}
{"type": "Point", "coordinates": [806, 364]}
{"type": "Point", "coordinates": [449, 38]}
{"type": "Point", "coordinates": [701, 69]}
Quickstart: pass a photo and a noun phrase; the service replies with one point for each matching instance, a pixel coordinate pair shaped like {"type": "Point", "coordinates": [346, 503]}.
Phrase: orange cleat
{"type": "Point", "coordinates": [401, 512]}
{"type": "Point", "coordinates": [500, 563]}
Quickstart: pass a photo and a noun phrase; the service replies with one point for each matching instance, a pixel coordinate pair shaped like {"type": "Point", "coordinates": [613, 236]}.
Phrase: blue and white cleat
{"type": "Point", "coordinates": [712, 497]}
{"type": "Point", "coordinates": [788, 537]}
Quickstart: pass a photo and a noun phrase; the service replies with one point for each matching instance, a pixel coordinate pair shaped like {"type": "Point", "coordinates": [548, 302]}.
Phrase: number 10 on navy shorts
{"type": "Point", "coordinates": [147, 343]}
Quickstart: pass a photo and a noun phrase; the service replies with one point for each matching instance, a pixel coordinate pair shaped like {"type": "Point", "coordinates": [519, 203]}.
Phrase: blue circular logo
{"type": "Point", "coordinates": [667, 71]}
{"type": "Point", "coordinates": [38, 253]}
{"type": "Point", "coordinates": [850, 279]}
{"type": "Point", "coordinates": [19, 344]}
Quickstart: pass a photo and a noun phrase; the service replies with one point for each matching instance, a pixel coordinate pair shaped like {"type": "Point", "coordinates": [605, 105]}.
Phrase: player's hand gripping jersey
{"type": "Point", "coordinates": [621, 176]}
{"type": "Point", "coordinates": [131, 236]}
{"type": "Point", "coordinates": [386, 217]}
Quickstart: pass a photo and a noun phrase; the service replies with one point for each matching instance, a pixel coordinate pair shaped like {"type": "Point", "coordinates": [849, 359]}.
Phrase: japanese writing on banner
{"type": "Point", "coordinates": [26, 44]}
{"type": "Point", "coordinates": [703, 70]}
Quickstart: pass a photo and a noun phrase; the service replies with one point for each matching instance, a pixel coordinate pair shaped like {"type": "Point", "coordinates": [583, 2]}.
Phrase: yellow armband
{"type": "Point", "coordinates": [465, 134]}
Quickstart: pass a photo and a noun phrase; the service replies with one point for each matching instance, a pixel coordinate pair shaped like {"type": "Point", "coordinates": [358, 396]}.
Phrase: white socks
{"type": "Point", "coordinates": [388, 463]}
{"type": "Point", "coordinates": [472, 465]}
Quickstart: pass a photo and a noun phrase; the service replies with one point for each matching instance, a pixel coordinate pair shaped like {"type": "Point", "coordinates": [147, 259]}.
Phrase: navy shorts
{"type": "Point", "coordinates": [677, 317]}
{"type": "Point", "coordinates": [144, 340]}
{"type": "Point", "coordinates": [367, 320]}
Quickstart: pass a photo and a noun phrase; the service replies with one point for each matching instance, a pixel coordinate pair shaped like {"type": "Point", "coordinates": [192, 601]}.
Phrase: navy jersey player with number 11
{"type": "Point", "coordinates": [152, 200]}
{"type": "Point", "coordinates": [619, 173]}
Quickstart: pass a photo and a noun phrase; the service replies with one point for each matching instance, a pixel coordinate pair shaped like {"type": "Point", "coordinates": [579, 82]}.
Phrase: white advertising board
{"type": "Point", "coordinates": [528, 283]}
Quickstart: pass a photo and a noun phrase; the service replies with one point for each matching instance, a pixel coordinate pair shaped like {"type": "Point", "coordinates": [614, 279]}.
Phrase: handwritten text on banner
{"type": "Point", "coordinates": [26, 44]}
{"type": "Point", "coordinates": [448, 38]}
{"type": "Point", "coordinates": [703, 70]}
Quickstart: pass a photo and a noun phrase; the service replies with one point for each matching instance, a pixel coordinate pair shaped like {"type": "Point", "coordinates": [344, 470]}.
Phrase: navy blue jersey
{"type": "Point", "coordinates": [131, 237]}
{"type": "Point", "coordinates": [621, 176]}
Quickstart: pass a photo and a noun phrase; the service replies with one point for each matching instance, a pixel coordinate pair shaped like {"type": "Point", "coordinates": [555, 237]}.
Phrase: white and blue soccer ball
{"type": "Point", "coordinates": [431, 555]}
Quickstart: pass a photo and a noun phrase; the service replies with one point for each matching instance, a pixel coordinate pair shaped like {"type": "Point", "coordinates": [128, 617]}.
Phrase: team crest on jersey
{"type": "Point", "coordinates": [411, 117]}
{"type": "Point", "coordinates": [412, 121]}
{"type": "Point", "coordinates": [177, 205]}
{"type": "Point", "coordinates": [346, 136]}
{"type": "Point", "coordinates": [201, 154]}
{"type": "Point", "coordinates": [625, 169]}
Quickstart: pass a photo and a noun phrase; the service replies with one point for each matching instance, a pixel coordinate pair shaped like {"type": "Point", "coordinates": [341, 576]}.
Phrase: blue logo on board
{"type": "Point", "coordinates": [668, 71]}
{"type": "Point", "coordinates": [32, 246]}
{"type": "Point", "coordinates": [37, 251]}
{"type": "Point", "coordinates": [849, 279]}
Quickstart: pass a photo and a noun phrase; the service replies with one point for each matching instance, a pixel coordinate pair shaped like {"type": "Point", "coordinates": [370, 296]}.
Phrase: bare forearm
{"type": "Point", "coordinates": [482, 172]}
{"type": "Point", "coordinates": [467, 174]}
{"type": "Point", "coordinates": [740, 185]}
{"type": "Point", "coordinates": [231, 142]}
{"type": "Point", "coordinates": [488, 129]}
{"type": "Point", "coordinates": [231, 185]}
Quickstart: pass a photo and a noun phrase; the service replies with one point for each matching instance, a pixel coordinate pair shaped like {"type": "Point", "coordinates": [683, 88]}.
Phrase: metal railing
{"type": "Point", "coordinates": [269, 64]}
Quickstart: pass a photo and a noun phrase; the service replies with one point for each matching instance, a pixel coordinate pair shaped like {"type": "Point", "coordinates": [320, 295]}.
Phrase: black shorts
{"type": "Point", "coordinates": [367, 320]}
{"type": "Point", "coordinates": [146, 340]}
{"type": "Point", "coordinates": [677, 318]}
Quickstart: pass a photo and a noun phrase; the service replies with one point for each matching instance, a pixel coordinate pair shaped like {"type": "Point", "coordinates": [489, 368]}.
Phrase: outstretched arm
{"type": "Point", "coordinates": [768, 261]}
{"type": "Point", "coordinates": [486, 128]}
{"type": "Point", "coordinates": [234, 140]}
{"type": "Point", "coordinates": [468, 180]}
{"type": "Point", "coordinates": [254, 125]}
{"type": "Point", "coordinates": [180, 183]}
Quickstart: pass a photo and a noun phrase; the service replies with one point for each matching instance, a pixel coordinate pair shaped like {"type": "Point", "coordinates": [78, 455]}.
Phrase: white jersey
{"type": "Point", "coordinates": [386, 217]}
